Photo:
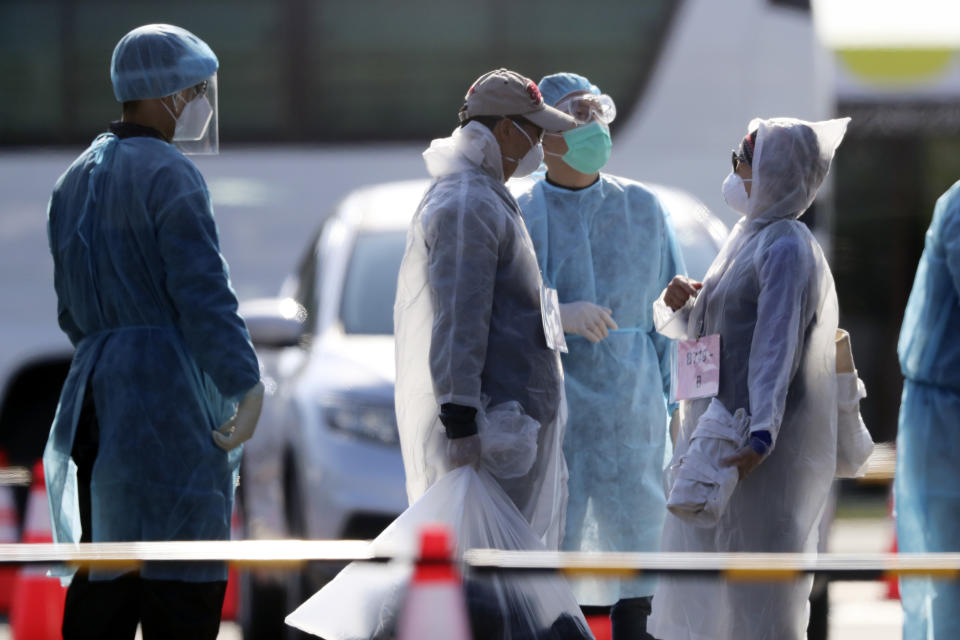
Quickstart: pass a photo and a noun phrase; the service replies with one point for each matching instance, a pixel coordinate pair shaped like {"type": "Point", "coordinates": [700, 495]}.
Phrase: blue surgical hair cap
{"type": "Point", "coordinates": [156, 60]}
{"type": "Point", "coordinates": [557, 85]}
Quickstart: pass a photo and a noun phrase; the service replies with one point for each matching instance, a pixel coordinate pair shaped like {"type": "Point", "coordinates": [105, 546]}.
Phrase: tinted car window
{"type": "Point", "coordinates": [371, 283]}
{"type": "Point", "coordinates": [307, 284]}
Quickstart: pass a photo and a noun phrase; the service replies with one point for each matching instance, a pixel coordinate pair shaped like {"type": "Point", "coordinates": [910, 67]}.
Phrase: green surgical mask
{"type": "Point", "coordinates": [588, 147]}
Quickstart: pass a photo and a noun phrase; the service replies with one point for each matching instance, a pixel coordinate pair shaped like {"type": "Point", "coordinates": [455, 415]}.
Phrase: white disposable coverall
{"type": "Point", "coordinates": [468, 325]}
{"type": "Point", "coordinates": [770, 296]}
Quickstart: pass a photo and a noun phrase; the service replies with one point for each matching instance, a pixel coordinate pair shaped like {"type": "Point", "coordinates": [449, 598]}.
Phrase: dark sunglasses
{"type": "Point", "coordinates": [736, 158]}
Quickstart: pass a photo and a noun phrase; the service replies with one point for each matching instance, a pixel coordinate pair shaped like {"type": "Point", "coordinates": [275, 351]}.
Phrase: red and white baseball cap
{"type": "Point", "coordinates": [507, 93]}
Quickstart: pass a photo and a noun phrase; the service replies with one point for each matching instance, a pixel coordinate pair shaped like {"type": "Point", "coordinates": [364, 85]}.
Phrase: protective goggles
{"type": "Point", "coordinates": [586, 107]}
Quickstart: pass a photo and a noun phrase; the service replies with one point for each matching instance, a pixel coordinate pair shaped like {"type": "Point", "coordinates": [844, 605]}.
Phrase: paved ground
{"type": "Point", "coordinates": [859, 610]}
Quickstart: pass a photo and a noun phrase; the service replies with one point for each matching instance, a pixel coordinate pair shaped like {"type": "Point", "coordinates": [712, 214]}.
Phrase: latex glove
{"type": "Point", "coordinates": [680, 289]}
{"type": "Point", "coordinates": [587, 319]}
{"type": "Point", "coordinates": [241, 426]}
{"type": "Point", "coordinates": [463, 451]}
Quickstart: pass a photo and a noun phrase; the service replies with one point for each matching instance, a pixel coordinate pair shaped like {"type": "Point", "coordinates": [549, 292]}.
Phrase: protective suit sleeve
{"type": "Point", "coordinates": [671, 264]}
{"type": "Point", "coordinates": [67, 325]}
{"type": "Point", "coordinates": [198, 283]}
{"type": "Point", "coordinates": [775, 348]}
{"type": "Point", "coordinates": [64, 319]}
{"type": "Point", "coordinates": [670, 323]}
{"type": "Point", "coordinates": [463, 246]}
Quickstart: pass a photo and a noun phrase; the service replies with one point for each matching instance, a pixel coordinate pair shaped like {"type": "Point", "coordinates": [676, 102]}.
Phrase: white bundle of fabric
{"type": "Point", "coordinates": [854, 444]}
{"type": "Point", "coordinates": [699, 486]}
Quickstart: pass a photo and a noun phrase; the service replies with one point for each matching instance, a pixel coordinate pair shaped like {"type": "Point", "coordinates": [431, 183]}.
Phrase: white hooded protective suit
{"type": "Point", "coordinates": [469, 327]}
{"type": "Point", "coordinates": [770, 296]}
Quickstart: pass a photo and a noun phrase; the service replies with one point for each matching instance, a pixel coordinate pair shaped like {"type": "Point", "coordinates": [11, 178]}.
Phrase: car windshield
{"type": "Point", "coordinates": [371, 284]}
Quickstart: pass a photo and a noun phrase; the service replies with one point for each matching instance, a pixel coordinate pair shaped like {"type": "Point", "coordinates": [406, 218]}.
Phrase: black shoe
{"type": "Point", "coordinates": [628, 618]}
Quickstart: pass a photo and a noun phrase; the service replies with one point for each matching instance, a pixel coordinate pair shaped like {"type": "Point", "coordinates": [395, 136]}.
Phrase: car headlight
{"type": "Point", "coordinates": [370, 422]}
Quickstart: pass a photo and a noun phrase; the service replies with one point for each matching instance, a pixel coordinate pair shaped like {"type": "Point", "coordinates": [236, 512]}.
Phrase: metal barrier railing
{"type": "Point", "coordinates": [289, 553]}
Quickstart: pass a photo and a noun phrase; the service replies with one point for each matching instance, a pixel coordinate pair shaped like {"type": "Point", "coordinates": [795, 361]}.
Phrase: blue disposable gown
{"type": "Point", "coordinates": [611, 244]}
{"type": "Point", "coordinates": [144, 296]}
{"type": "Point", "coordinates": [928, 441]}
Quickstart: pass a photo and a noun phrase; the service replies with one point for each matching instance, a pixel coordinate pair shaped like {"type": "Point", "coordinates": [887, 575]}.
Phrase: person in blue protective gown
{"type": "Point", "coordinates": [607, 246]}
{"type": "Point", "coordinates": [927, 500]}
{"type": "Point", "coordinates": [164, 384]}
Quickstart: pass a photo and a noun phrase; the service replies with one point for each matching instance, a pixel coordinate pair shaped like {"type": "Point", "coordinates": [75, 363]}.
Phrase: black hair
{"type": "Point", "coordinates": [488, 121]}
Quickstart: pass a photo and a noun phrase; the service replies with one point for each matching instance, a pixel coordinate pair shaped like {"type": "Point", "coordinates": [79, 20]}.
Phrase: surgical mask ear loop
{"type": "Point", "coordinates": [525, 135]}
{"type": "Point", "coordinates": [164, 104]}
{"type": "Point", "coordinates": [551, 153]}
{"type": "Point", "coordinates": [531, 160]}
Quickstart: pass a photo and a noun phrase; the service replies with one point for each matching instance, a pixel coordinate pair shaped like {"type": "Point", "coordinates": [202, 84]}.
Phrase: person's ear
{"type": "Point", "coordinates": [502, 129]}
{"type": "Point", "coordinates": [504, 132]}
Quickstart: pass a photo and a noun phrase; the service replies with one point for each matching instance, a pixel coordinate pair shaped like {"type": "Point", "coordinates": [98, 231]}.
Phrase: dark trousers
{"type": "Point", "coordinates": [628, 617]}
{"type": "Point", "coordinates": [113, 608]}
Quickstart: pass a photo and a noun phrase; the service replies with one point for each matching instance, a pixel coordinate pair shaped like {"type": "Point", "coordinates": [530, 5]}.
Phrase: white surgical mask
{"type": "Point", "coordinates": [194, 120]}
{"type": "Point", "coordinates": [735, 193]}
{"type": "Point", "coordinates": [531, 160]}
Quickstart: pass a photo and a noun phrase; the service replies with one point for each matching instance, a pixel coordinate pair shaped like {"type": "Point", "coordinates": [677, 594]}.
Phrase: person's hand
{"type": "Point", "coordinates": [241, 426]}
{"type": "Point", "coordinates": [745, 460]}
{"type": "Point", "coordinates": [680, 289]}
{"type": "Point", "coordinates": [463, 451]}
{"type": "Point", "coordinates": [591, 321]}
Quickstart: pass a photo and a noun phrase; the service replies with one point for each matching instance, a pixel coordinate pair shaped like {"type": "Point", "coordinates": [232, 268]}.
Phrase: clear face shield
{"type": "Point", "coordinates": [587, 107]}
{"type": "Point", "coordinates": [197, 130]}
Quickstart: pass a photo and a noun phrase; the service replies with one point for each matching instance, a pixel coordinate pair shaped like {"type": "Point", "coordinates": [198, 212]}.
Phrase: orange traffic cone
{"type": "Point", "coordinates": [892, 581]}
{"type": "Point", "coordinates": [231, 597]}
{"type": "Point", "coordinates": [36, 611]}
{"type": "Point", "coordinates": [8, 533]}
{"type": "Point", "coordinates": [434, 608]}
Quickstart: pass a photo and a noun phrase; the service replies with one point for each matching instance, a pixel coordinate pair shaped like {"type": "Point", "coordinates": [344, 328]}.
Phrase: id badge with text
{"type": "Point", "coordinates": [552, 326]}
{"type": "Point", "coordinates": [696, 369]}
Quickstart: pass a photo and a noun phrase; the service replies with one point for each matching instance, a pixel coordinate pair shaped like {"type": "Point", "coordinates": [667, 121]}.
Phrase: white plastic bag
{"type": "Point", "coordinates": [508, 439]}
{"type": "Point", "coordinates": [698, 487]}
{"type": "Point", "coordinates": [364, 601]}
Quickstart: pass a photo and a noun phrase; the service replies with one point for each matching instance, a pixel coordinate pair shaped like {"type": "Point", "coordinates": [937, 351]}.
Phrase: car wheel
{"type": "Point", "coordinates": [311, 577]}
{"type": "Point", "coordinates": [263, 608]}
{"type": "Point", "coordinates": [267, 599]}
